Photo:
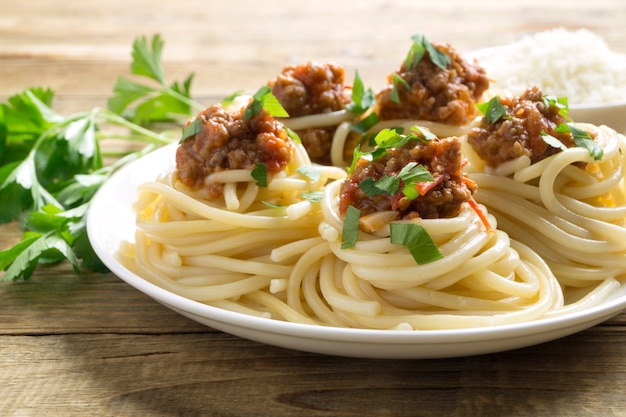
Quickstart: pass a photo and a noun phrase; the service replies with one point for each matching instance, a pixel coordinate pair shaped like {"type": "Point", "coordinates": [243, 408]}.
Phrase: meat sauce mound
{"type": "Point", "coordinates": [445, 95]}
{"type": "Point", "coordinates": [439, 199]}
{"type": "Point", "coordinates": [312, 88]}
{"type": "Point", "coordinates": [518, 133]}
{"type": "Point", "coordinates": [227, 141]}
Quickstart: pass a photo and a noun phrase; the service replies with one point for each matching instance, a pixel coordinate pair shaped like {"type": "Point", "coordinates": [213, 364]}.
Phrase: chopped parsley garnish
{"type": "Point", "coordinates": [293, 135]}
{"type": "Point", "coordinates": [582, 139]}
{"type": "Point", "coordinates": [229, 99]}
{"type": "Point", "coordinates": [552, 141]}
{"type": "Point", "coordinates": [396, 79]}
{"type": "Point", "coordinates": [273, 205]}
{"type": "Point", "coordinates": [350, 231]}
{"type": "Point", "coordinates": [419, 47]}
{"type": "Point", "coordinates": [314, 196]}
{"type": "Point", "coordinates": [559, 102]}
{"type": "Point", "coordinates": [193, 129]}
{"type": "Point", "coordinates": [493, 110]}
{"type": "Point", "coordinates": [417, 240]}
{"type": "Point", "coordinates": [310, 172]}
{"type": "Point", "coordinates": [259, 174]}
{"type": "Point", "coordinates": [389, 138]}
{"type": "Point", "coordinates": [410, 175]}
{"type": "Point", "coordinates": [366, 123]}
{"type": "Point", "coordinates": [362, 99]}
{"type": "Point", "coordinates": [264, 99]}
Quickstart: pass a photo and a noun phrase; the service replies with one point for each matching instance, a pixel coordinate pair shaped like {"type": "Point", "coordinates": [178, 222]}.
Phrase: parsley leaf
{"type": "Point", "coordinates": [417, 240]}
{"type": "Point", "coordinates": [396, 79]}
{"type": "Point", "coordinates": [419, 47]}
{"type": "Point", "coordinates": [310, 172]}
{"type": "Point", "coordinates": [493, 110]}
{"type": "Point", "coordinates": [582, 139]}
{"type": "Point", "coordinates": [559, 102]}
{"type": "Point", "coordinates": [159, 102]}
{"type": "Point", "coordinates": [264, 99]}
{"type": "Point", "coordinates": [410, 175]}
{"type": "Point", "coordinates": [552, 141]}
{"type": "Point", "coordinates": [191, 130]}
{"type": "Point", "coordinates": [362, 99]}
{"type": "Point", "coordinates": [366, 123]}
{"type": "Point", "coordinates": [229, 99]}
{"type": "Point", "coordinates": [314, 196]}
{"type": "Point", "coordinates": [350, 230]}
{"type": "Point", "coordinates": [259, 174]}
{"type": "Point", "coordinates": [51, 165]}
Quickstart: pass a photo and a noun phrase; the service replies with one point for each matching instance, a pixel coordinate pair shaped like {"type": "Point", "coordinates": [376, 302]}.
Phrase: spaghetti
{"type": "Point", "coordinates": [568, 204]}
{"type": "Point", "coordinates": [274, 245]}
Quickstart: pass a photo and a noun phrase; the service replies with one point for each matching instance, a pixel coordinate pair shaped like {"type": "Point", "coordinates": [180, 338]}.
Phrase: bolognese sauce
{"type": "Point", "coordinates": [429, 92]}
{"type": "Point", "coordinates": [440, 198]}
{"type": "Point", "coordinates": [227, 141]}
{"type": "Point", "coordinates": [519, 132]}
{"type": "Point", "coordinates": [307, 89]}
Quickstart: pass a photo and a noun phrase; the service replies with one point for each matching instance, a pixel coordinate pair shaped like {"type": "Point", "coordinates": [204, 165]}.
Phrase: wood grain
{"type": "Point", "coordinates": [92, 345]}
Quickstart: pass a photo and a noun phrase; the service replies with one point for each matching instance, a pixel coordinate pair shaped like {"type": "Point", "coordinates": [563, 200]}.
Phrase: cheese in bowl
{"type": "Point", "coordinates": [577, 64]}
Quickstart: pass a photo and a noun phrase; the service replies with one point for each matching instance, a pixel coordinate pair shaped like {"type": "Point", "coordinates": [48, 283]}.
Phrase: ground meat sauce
{"type": "Point", "coordinates": [519, 132]}
{"type": "Point", "coordinates": [312, 88]}
{"type": "Point", "coordinates": [441, 157]}
{"type": "Point", "coordinates": [439, 95]}
{"type": "Point", "coordinates": [227, 141]}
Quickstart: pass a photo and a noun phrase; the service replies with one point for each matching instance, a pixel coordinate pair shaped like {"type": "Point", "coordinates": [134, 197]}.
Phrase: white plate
{"type": "Point", "coordinates": [111, 220]}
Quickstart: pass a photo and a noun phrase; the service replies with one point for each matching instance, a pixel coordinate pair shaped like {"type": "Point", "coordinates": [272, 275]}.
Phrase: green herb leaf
{"type": "Point", "coordinates": [396, 79]}
{"type": "Point", "coordinates": [52, 165]}
{"type": "Point", "coordinates": [552, 141]}
{"type": "Point", "coordinates": [417, 240]}
{"type": "Point", "coordinates": [293, 136]}
{"type": "Point", "coordinates": [366, 123]}
{"type": "Point", "coordinates": [419, 47]}
{"type": "Point", "coordinates": [390, 138]}
{"type": "Point", "coordinates": [191, 130]}
{"type": "Point", "coordinates": [147, 58]}
{"type": "Point", "coordinates": [559, 102]}
{"type": "Point", "coordinates": [582, 139]}
{"type": "Point", "coordinates": [414, 56]}
{"type": "Point", "coordinates": [350, 230]}
{"type": "Point", "coordinates": [314, 196]}
{"type": "Point", "coordinates": [159, 103]}
{"type": "Point", "coordinates": [493, 110]}
{"type": "Point", "coordinates": [362, 99]}
{"type": "Point", "coordinates": [264, 99]}
{"type": "Point", "coordinates": [229, 99]}
{"type": "Point", "coordinates": [259, 174]}
{"type": "Point", "coordinates": [310, 172]}
{"type": "Point", "coordinates": [272, 205]}
{"type": "Point", "coordinates": [385, 185]}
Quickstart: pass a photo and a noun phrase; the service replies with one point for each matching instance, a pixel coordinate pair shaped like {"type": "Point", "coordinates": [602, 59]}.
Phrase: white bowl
{"type": "Point", "coordinates": [612, 115]}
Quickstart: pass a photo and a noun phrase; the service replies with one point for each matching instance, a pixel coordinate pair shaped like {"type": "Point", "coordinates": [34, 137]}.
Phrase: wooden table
{"type": "Point", "coordinates": [94, 346]}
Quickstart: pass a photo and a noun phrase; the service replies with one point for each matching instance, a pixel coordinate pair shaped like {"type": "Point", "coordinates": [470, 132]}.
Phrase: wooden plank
{"type": "Point", "coordinates": [219, 375]}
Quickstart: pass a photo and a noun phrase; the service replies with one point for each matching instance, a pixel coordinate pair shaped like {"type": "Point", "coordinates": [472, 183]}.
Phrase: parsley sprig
{"type": "Point", "coordinates": [51, 165]}
{"type": "Point", "coordinates": [419, 47]}
{"type": "Point", "coordinates": [581, 137]}
{"type": "Point", "coordinates": [362, 98]}
{"type": "Point", "coordinates": [413, 236]}
{"type": "Point", "coordinates": [157, 101]}
{"type": "Point", "coordinates": [389, 138]}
